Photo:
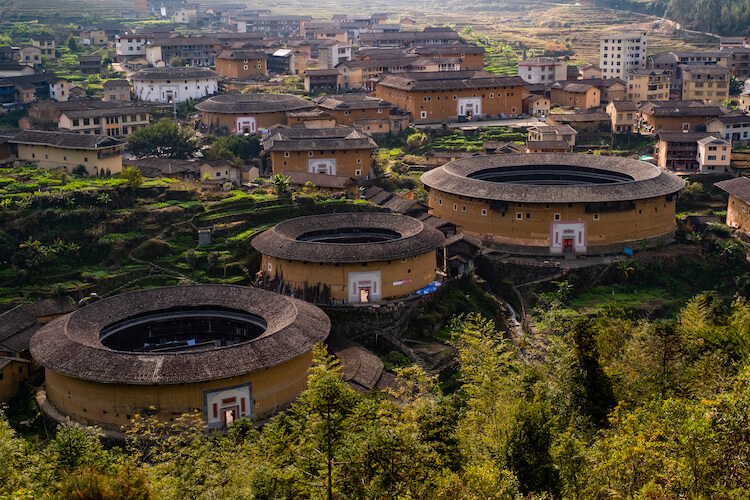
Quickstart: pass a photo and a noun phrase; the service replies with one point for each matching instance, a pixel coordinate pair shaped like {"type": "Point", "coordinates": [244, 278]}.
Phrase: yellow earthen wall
{"type": "Point", "coordinates": [651, 218]}
{"type": "Point", "coordinates": [346, 161]}
{"type": "Point", "coordinates": [738, 213]}
{"type": "Point", "coordinates": [421, 270]}
{"type": "Point", "coordinates": [110, 405]}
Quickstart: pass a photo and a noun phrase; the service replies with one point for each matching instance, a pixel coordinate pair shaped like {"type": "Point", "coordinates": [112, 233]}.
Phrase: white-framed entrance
{"type": "Point", "coordinates": [568, 237]}
{"type": "Point", "coordinates": [222, 407]}
{"type": "Point", "coordinates": [470, 107]}
{"type": "Point", "coordinates": [245, 125]}
{"type": "Point", "coordinates": [322, 166]}
{"type": "Point", "coordinates": [169, 93]}
{"type": "Point", "coordinates": [364, 287]}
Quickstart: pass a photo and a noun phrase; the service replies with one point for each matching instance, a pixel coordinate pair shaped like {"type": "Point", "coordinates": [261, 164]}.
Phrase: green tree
{"type": "Point", "coordinates": [178, 62]}
{"type": "Point", "coordinates": [133, 176]}
{"type": "Point", "coordinates": [72, 43]}
{"type": "Point", "coordinates": [164, 138]}
{"type": "Point", "coordinates": [280, 183]}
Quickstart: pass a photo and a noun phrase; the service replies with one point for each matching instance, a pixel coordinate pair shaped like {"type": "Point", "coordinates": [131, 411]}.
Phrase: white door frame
{"type": "Point", "coordinates": [322, 166]}
{"type": "Point", "coordinates": [367, 279]}
{"type": "Point", "coordinates": [561, 231]}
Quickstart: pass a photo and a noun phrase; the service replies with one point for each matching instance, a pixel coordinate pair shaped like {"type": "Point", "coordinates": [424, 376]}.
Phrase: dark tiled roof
{"type": "Point", "coordinates": [448, 48]}
{"type": "Point", "coordinates": [307, 139]}
{"type": "Point", "coordinates": [682, 136]}
{"type": "Point", "coordinates": [448, 80]}
{"type": "Point", "coordinates": [18, 325]}
{"type": "Point", "coordinates": [64, 140]}
{"type": "Point", "coordinates": [189, 73]}
{"type": "Point", "coordinates": [731, 119]}
{"type": "Point", "coordinates": [624, 105]}
{"type": "Point", "coordinates": [253, 103]}
{"type": "Point", "coordinates": [547, 145]}
{"type": "Point", "coordinates": [322, 72]}
{"type": "Point", "coordinates": [415, 238]}
{"type": "Point", "coordinates": [540, 61]}
{"type": "Point", "coordinates": [578, 117]}
{"type": "Point", "coordinates": [704, 70]}
{"type": "Point", "coordinates": [242, 54]}
{"type": "Point", "coordinates": [739, 187]}
{"type": "Point", "coordinates": [352, 101]}
{"type": "Point", "coordinates": [102, 112]}
{"type": "Point", "coordinates": [573, 87]}
{"type": "Point", "coordinates": [463, 237]}
{"type": "Point", "coordinates": [647, 180]}
{"type": "Point", "coordinates": [70, 345]}
{"type": "Point", "coordinates": [397, 62]}
{"type": "Point", "coordinates": [116, 83]}
{"type": "Point", "coordinates": [680, 108]}
{"type": "Point", "coordinates": [320, 180]}
{"type": "Point", "coordinates": [90, 59]}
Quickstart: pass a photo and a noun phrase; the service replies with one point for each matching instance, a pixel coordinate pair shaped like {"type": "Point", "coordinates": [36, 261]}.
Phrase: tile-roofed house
{"type": "Point", "coordinates": [100, 155]}
{"type": "Point", "coordinates": [738, 206]}
{"type": "Point", "coordinates": [707, 83]}
{"type": "Point", "coordinates": [156, 84]}
{"type": "Point", "coordinates": [394, 202]}
{"type": "Point", "coordinates": [347, 108]}
{"type": "Point", "coordinates": [241, 64]}
{"type": "Point", "coordinates": [31, 88]}
{"type": "Point", "coordinates": [678, 151]}
{"type": "Point", "coordinates": [731, 127]}
{"type": "Point", "coordinates": [579, 121]}
{"type": "Point", "coordinates": [14, 372]}
{"type": "Point", "coordinates": [330, 183]}
{"type": "Point", "coordinates": [536, 105]}
{"type": "Point", "coordinates": [575, 95]}
{"type": "Point", "coordinates": [46, 43]}
{"type": "Point", "coordinates": [13, 68]}
{"type": "Point", "coordinates": [117, 90]}
{"type": "Point", "coordinates": [547, 147]}
{"type": "Point", "coordinates": [469, 94]}
{"type": "Point", "coordinates": [321, 80]}
{"type": "Point", "coordinates": [623, 115]}
{"type": "Point", "coordinates": [714, 155]}
{"type": "Point", "coordinates": [342, 151]}
{"type": "Point", "coordinates": [116, 120]}
{"type": "Point", "coordinates": [172, 168]}
{"type": "Point", "coordinates": [90, 65]}
{"type": "Point", "coordinates": [19, 324]}
{"type": "Point", "coordinates": [472, 56]}
{"type": "Point", "coordinates": [676, 115]}
{"type": "Point", "coordinates": [553, 133]}
{"type": "Point", "coordinates": [364, 73]}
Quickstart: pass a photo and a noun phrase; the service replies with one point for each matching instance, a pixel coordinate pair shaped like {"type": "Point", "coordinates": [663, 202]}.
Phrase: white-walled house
{"type": "Point", "coordinates": [168, 85]}
{"type": "Point", "coordinates": [714, 155]}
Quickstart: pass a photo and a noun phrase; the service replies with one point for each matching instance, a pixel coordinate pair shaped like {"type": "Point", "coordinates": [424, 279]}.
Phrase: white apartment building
{"type": "Point", "coordinates": [130, 46]}
{"type": "Point", "coordinates": [714, 155]}
{"type": "Point", "coordinates": [621, 53]}
{"type": "Point", "coordinates": [543, 70]}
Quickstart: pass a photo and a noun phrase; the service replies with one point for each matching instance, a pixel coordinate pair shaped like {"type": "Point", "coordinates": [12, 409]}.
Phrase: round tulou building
{"type": "Point", "coordinates": [554, 203]}
{"type": "Point", "coordinates": [351, 257]}
{"type": "Point", "coordinates": [248, 113]}
{"type": "Point", "coordinates": [225, 351]}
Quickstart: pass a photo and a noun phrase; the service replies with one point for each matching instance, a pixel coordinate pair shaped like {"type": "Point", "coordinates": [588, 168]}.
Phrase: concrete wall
{"type": "Point", "coordinates": [113, 405]}
{"type": "Point", "coordinates": [651, 218]}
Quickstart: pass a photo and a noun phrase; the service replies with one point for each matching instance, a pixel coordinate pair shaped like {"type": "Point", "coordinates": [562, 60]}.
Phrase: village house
{"type": "Point", "coordinates": [130, 46]}
{"type": "Point", "coordinates": [40, 86]}
{"type": "Point", "coordinates": [90, 65]}
{"type": "Point", "coordinates": [611, 89]}
{"type": "Point", "coordinates": [331, 53]}
{"type": "Point", "coordinates": [543, 70]}
{"type": "Point", "coordinates": [582, 122]}
{"type": "Point", "coordinates": [453, 95]}
{"type": "Point", "coordinates": [46, 43]}
{"type": "Point", "coordinates": [471, 56]}
{"type": "Point", "coordinates": [93, 36]}
{"type": "Point", "coordinates": [30, 56]}
{"type": "Point", "coordinates": [331, 151]}
{"type": "Point", "coordinates": [588, 70]}
{"type": "Point", "coordinates": [707, 83]}
{"type": "Point", "coordinates": [575, 95]}
{"type": "Point", "coordinates": [678, 151]}
{"type": "Point", "coordinates": [430, 36]}
{"type": "Point", "coordinates": [14, 372]}
{"type": "Point", "coordinates": [648, 85]}
{"type": "Point", "coordinates": [12, 68]}
{"type": "Point", "coordinates": [321, 80]}
{"type": "Point", "coordinates": [100, 155]}
{"type": "Point", "coordinates": [241, 64]}
{"type": "Point", "coordinates": [347, 108]}
{"type": "Point", "coordinates": [553, 133]}
{"type": "Point", "coordinates": [623, 115]}
{"type": "Point", "coordinates": [547, 147]}
{"type": "Point", "coordinates": [536, 105]}
{"type": "Point", "coordinates": [330, 184]}
{"type": "Point", "coordinates": [365, 73]}
{"type": "Point", "coordinates": [738, 206]}
{"type": "Point", "coordinates": [676, 116]}
{"type": "Point", "coordinates": [732, 128]}
{"type": "Point", "coordinates": [714, 155]}
{"type": "Point", "coordinates": [310, 118]}
{"type": "Point", "coordinates": [114, 121]}
{"type": "Point", "coordinates": [198, 51]}
{"type": "Point", "coordinates": [117, 90]}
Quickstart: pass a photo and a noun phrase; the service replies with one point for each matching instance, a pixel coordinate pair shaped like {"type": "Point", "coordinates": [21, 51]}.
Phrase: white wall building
{"type": "Point", "coordinates": [621, 53]}
{"type": "Point", "coordinates": [130, 46]}
{"type": "Point", "coordinates": [714, 155]}
{"type": "Point", "coordinates": [168, 85]}
{"type": "Point", "coordinates": [543, 70]}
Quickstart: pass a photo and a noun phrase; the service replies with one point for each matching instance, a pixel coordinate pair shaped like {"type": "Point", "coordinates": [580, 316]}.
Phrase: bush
{"type": "Point", "coordinates": [152, 248]}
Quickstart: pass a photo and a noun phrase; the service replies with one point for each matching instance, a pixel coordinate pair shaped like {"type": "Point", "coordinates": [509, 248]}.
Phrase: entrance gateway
{"type": "Point", "coordinates": [470, 107]}
{"type": "Point", "coordinates": [568, 237]}
{"type": "Point", "coordinates": [245, 125]}
{"type": "Point", "coordinates": [222, 407]}
{"type": "Point", "coordinates": [364, 287]}
{"type": "Point", "coordinates": [325, 166]}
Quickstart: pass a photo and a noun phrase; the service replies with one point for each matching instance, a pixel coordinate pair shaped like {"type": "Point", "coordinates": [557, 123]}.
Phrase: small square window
{"type": "Point", "coordinates": [357, 173]}
{"type": "Point", "coordinates": [484, 211]}
{"type": "Point", "coordinates": [596, 216]}
{"type": "Point", "coordinates": [359, 160]}
{"type": "Point", "coordinates": [519, 215]}
{"type": "Point", "coordinates": [309, 153]}
{"type": "Point", "coordinates": [286, 154]}
{"type": "Point", "coordinates": [455, 207]}
{"type": "Point", "coordinates": [270, 267]}
{"type": "Point", "coordinates": [557, 216]}
{"type": "Point", "coordinates": [528, 215]}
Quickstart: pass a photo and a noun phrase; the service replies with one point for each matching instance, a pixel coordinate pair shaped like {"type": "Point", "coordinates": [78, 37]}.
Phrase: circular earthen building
{"type": "Point", "coordinates": [248, 113]}
{"type": "Point", "coordinates": [226, 351]}
{"type": "Point", "coordinates": [554, 203]}
{"type": "Point", "coordinates": [350, 257]}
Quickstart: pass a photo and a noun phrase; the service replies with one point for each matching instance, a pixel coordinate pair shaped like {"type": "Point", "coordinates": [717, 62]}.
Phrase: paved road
{"type": "Point", "coordinates": [526, 122]}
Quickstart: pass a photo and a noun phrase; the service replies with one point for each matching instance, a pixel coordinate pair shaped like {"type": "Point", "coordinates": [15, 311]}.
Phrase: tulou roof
{"type": "Point", "coordinates": [307, 139]}
{"type": "Point", "coordinates": [282, 241]}
{"type": "Point", "coordinates": [187, 73]}
{"type": "Point", "coordinates": [253, 103]}
{"type": "Point", "coordinates": [448, 80]}
{"type": "Point", "coordinates": [66, 140]}
{"type": "Point", "coordinates": [352, 101]}
{"type": "Point", "coordinates": [70, 345]}
{"type": "Point", "coordinates": [635, 179]}
{"type": "Point", "coordinates": [739, 187]}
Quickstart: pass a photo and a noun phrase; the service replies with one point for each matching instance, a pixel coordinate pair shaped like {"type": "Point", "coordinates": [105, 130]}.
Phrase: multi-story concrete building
{"type": "Point", "coordinates": [196, 50]}
{"type": "Point", "coordinates": [30, 56]}
{"type": "Point", "coordinates": [472, 56]}
{"type": "Point", "coordinates": [115, 121]}
{"type": "Point", "coordinates": [648, 85]}
{"type": "Point", "coordinates": [543, 70]}
{"type": "Point", "coordinates": [705, 83]}
{"type": "Point", "coordinates": [130, 46]}
{"type": "Point", "coordinates": [332, 53]}
{"type": "Point", "coordinates": [621, 53]}
{"type": "Point", "coordinates": [116, 90]}
{"type": "Point", "coordinates": [714, 155]}
{"type": "Point", "coordinates": [678, 151]}
{"type": "Point", "coordinates": [734, 128]}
